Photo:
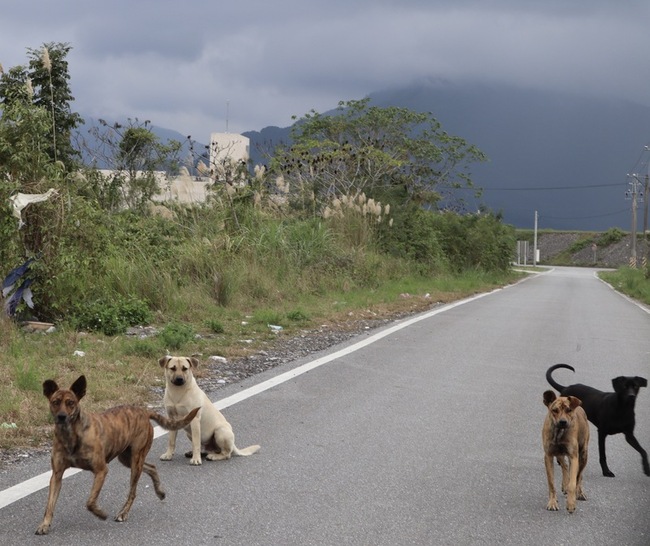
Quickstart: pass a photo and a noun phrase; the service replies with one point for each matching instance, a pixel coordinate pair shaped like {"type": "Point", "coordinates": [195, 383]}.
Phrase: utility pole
{"type": "Point", "coordinates": [645, 207]}
{"type": "Point", "coordinates": [535, 242]}
{"type": "Point", "coordinates": [633, 195]}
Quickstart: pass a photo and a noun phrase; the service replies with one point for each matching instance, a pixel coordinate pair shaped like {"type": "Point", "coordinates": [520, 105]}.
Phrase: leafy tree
{"type": "Point", "coordinates": [133, 154]}
{"type": "Point", "coordinates": [48, 71]}
{"type": "Point", "coordinates": [391, 154]}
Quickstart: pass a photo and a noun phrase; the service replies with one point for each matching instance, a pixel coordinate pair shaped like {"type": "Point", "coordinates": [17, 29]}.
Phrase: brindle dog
{"type": "Point", "coordinates": [90, 441]}
{"type": "Point", "coordinates": [565, 434]}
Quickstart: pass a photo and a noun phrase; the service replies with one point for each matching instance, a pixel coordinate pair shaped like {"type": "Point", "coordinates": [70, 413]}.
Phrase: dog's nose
{"type": "Point", "coordinates": [61, 417]}
{"type": "Point", "coordinates": [562, 423]}
{"type": "Point", "coordinates": [178, 381]}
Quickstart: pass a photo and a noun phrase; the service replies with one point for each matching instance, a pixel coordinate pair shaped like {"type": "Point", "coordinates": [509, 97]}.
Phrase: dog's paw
{"type": "Point", "coordinates": [608, 473]}
{"type": "Point", "coordinates": [167, 456]}
{"type": "Point", "coordinates": [581, 496]}
{"type": "Point", "coordinates": [646, 469]}
{"type": "Point", "coordinates": [571, 507]}
{"type": "Point", "coordinates": [552, 505]}
{"type": "Point", "coordinates": [196, 462]}
{"type": "Point", "coordinates": [98, 512]}
{"type": "Point", "coordinates": [43, 530]}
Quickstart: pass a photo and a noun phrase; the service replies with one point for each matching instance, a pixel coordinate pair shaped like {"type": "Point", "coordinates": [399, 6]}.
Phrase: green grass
{"type": "Point", "coordinates": [632, 282]}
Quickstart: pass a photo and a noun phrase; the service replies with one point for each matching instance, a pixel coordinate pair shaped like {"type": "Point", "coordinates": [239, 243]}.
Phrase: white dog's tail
{"type": "Point", "coordinates": [246, 451]}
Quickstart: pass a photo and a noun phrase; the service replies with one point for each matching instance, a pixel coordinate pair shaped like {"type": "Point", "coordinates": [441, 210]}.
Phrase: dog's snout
{"type": "Point", "coordinates": [178, 381]}
{"type": "Point", "coordinates": [61, 417]}
{"type": "Point", "coordinates": [563, 423]}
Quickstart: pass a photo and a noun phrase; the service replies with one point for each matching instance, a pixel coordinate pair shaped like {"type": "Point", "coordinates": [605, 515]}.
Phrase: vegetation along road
{"type": "Point", "coordinates": [427, 431]}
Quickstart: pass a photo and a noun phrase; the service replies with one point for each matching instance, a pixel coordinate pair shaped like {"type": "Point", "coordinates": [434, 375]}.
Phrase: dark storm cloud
{"type": "Point", "coordinates": [180, 64]}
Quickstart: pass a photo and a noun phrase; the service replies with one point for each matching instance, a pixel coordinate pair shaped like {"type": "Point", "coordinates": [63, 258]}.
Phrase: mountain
{"type": "Point", "coordinates": [565, 156]}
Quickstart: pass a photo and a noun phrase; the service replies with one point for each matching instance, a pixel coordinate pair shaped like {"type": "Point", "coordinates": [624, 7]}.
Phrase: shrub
{"type": "Point", "coordinates": [111, 317]}
{"type": "Point", "coordinates": [215, 326]}
{"type": "Point", "coordinates": [176, 334]}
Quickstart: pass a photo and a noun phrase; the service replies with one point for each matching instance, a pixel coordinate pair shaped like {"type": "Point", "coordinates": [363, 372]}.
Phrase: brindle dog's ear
{"type": "Point", "coordinates": [574, 402]}
{"type": "Point", "coordinates": [549, 398]}
{"type": "Point", "coordinates": [194, 362]}
{"type": "Point", "coordinates": [79, 387]}
{"type": "Point", "coordinates": [163, 361]}
{"type": "Point", "coordinates": [49, 388]}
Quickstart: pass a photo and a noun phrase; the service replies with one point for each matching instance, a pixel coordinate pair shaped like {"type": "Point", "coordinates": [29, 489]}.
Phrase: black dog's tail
{"type": "Point", "coordinates": [552, 381]}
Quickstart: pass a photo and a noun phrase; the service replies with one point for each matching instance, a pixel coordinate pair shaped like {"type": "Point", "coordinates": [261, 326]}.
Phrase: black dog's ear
{"type": "Point", "coordinates": [79, 387]}
{"type": "Point", "coordinates": [49, 388]}
{"type": "Point", "coordinates": [549, 398]}
{"type": "Point", "coordinates": [619, 383]}
{"type": "Point", "coordinates": [641, 381]}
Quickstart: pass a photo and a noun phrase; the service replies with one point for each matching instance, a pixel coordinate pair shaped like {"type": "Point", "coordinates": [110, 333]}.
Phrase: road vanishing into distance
{"type": "Point", "coordinates": [426, 432]}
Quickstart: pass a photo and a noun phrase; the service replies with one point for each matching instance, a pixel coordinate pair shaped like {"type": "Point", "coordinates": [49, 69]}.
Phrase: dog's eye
{"type": "Point", "coordinates": [69, 403]}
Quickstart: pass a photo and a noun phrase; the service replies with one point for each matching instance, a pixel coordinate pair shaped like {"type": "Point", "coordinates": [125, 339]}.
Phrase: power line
{"type": "Point", "coordinates": [584, 217]}
{"type": "Point", "coordinates": [547, 188]}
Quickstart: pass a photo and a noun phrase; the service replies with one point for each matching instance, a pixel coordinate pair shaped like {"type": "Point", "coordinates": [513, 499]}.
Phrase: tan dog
{"type": "Point", "coordinates": [565, 435]}
{"type": "Point", "coordinates": [210, 429]}
{"type": "Point", "coordinates": [90, 441]}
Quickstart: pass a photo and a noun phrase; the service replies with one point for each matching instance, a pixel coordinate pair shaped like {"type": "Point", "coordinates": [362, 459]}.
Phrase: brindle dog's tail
{"type": "Point", "coordinates": [552, 381]}
{"type": "Point", "coordinates": [173, 424]}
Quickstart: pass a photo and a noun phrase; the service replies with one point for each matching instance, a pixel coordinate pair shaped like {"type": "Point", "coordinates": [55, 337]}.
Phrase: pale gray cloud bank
{"type": "Point", "coordinates": [179, 64]}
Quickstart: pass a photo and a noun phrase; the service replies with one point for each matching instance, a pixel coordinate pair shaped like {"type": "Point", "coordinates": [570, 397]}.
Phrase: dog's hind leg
{"type": "Point", "coordinates": [602, 455]}
{"type": "Point", "coordinates": [631, 439]}
{"type": "Point", "coordinates": [153, 472]}
{"type": "Point", "coordinates": [561, 460]}
{"type": "Point", "coordinates": [572, 485]}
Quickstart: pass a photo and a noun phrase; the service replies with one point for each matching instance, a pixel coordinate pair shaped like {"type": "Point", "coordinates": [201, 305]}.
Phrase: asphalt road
{"type": "Point", "coordinates": [427, 433]}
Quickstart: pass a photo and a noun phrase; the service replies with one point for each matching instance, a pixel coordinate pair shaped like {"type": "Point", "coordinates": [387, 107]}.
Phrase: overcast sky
{"type": "Point", "coordinates": [204, 66]}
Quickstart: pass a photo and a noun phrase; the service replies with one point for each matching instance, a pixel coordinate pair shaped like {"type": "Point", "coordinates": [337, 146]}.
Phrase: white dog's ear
{"type": "Point", "coordinates": [194, 361]}
{"type": "Point", "coordinates": [163, 361]}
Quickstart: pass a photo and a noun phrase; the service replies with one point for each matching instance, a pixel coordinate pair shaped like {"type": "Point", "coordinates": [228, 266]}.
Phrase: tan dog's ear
{"type": "Point", "coordinates": [194, 362]}
{"type": "Point", "coordinates": [49, 388]}
{"type": "Point", "coordinates": [574, 402]}
{"type": "Point", "coordinates": [549, 398]}
{"type": "Point", "coordinates": [163, 361]}
{"type": "Point", "coordinates": [79, 387]}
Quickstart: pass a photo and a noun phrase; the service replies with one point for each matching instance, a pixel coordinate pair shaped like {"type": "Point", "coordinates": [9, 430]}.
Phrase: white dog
{"type": "Point", "coordinates": [209, 429]}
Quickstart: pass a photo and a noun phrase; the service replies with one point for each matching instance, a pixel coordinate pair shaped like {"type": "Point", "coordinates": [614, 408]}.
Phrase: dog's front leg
{"type": "Point", "coordinates": [195, 431]}
{"type": "Point", "coordinates": [171, 446]}
{"type": "Point", "coordinates": [550, 478]}
{"type": "Point", "coordinates": [98, 482]}
{"type": "Point", "coordinates": [631, 439]}
{"type": "Point", "coordinates": [55, 489]}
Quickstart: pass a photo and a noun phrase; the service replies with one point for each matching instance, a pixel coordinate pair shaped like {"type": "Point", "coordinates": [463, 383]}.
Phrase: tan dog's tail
{"type": "Point", "coordinates": [246, 451]}
{"type": "Point", "coordinates": [173, 424]}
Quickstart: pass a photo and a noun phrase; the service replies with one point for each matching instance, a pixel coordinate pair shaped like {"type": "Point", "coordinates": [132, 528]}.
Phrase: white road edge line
{"type": "Point", "coordinates": [23, 489]}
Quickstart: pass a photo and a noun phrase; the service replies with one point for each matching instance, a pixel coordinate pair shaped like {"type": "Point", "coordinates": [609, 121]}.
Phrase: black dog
{"type": "Point", "coordinates": [610, 412]}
